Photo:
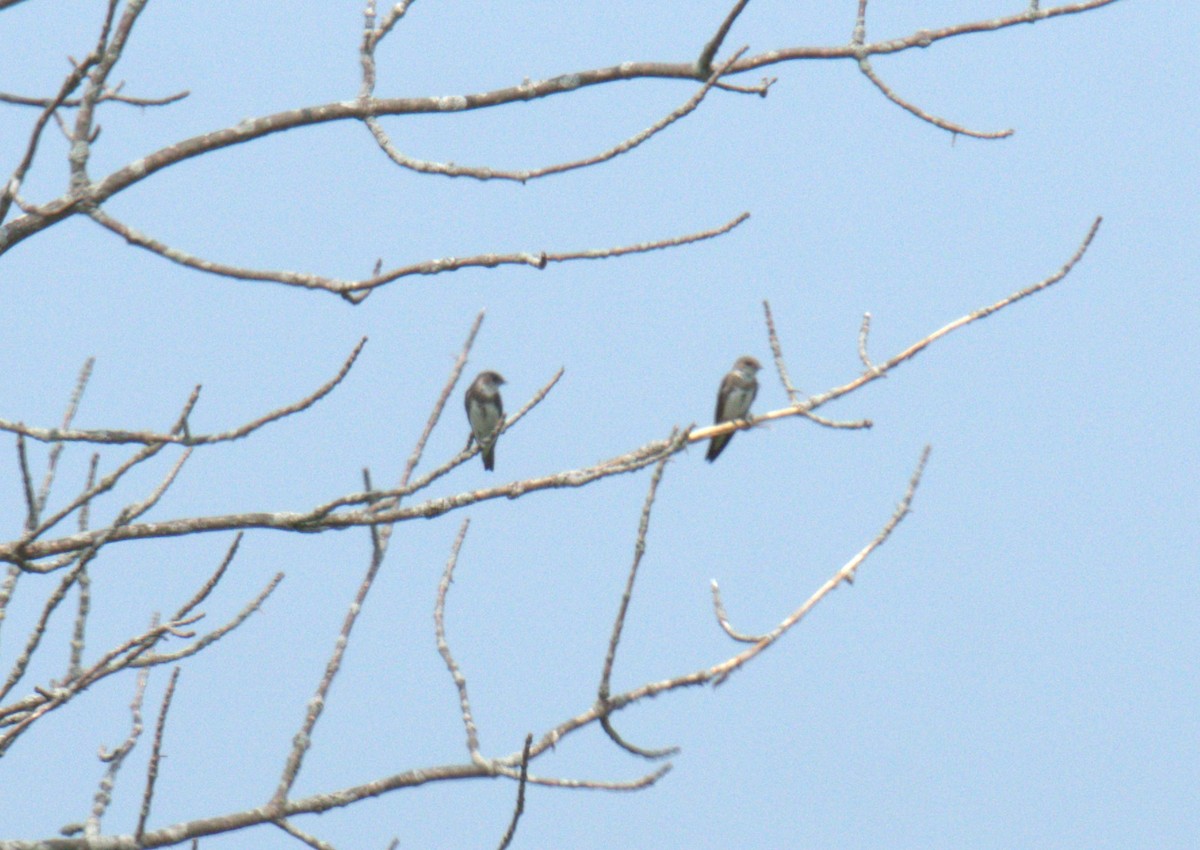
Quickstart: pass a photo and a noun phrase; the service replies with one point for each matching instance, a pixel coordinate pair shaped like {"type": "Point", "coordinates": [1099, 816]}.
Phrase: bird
{"type": "Point", "coordinates": [734, 398]}
{"type": "Point", "coordinates": [485, 413]}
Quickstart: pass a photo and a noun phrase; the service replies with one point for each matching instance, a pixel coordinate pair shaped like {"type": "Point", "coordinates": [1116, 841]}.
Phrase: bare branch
{"type": "Point", "coordinates": [864, 331]}
{"type": "Point", "coordinates": [6, 589]}
{"type": "Point", "coordinates": [12, 187]}
{"type": "Point", "coordinates": [723, 619]}
{"type": "Point", "coordinates": [155, 755]}
{"type": "Point", "coordinates": [982, 313]}
{"type": "Point", "coordinates": [116, 759]}
{"type": "Point", "coordinates": [78, 636]}
{"type": "Point", "coordinates": [31, 502]}
{"type": "Point", "coordinates": [523, 176]}
{"type": "Point", "coordinates": [155, 659]}
{"type": "Point", "coordinates": [209, 585]}
{"type": "Point", "coordinates": [109, 50]}
{"type": "Point", "coordinates": [722, 671]}
{"type": "Point", "coordinates": [865, 66]}
{"type": "Point", "coordinates": [704, 63]}
{"type": "Point", "coordinates": [316, 804]}
{"type": "Point", "coordinates": [321, 518]}
{"type": "Point", "coordinates": [520, 807]}
{"type": "Point", "coordinates": [81, 383]}
{"type": "Point", "coordinates": [719, 672]}
{"type": "Point", "coordinates": [639, 549]}
{"type": "Point", "coordinates": [644, 781]}
{"type": "Point", "coordinates": [39, 630]}
{"type": "Point", "coordinates": [110, 95]}
{"type": "Point", "coordinates": [912, 351]}
{"type": "Point", "coordinates": [24, 714]}
{"type": "Point", "coordinates": [309, 839]}
{"type": "Point", "coordinates": [303, 738]}
{"type": "Point", "coordinates": [792, 392]}
{"type": "Point", "coordinates": [372, 34]}
{"type": "Point", "coordinates": [368, 513]}
{"type": "Point", "coordinates": [356, 290]}
{"type": "Point", "coordinates": [440, 404]}
{"type": "Point", "coordinates": [179, 434]}
{"type": "Point", "coordinates": [88, 196]}
{"type": "Point", "coordinates": [777, 351]}
{"type": "Point", "coordinates": [860, 24]}
{"type": "Point", "coordinates": [94, 489]}
{"type": "Point", "coordinates": [652, 755]}
{"type": "Point", "coordinates": [439, 620]}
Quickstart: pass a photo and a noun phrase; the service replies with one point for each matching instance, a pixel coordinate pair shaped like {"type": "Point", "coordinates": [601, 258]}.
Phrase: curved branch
{"type": "Point", "coordinates": [484, 173]}
{"type": "Point", "coordinates": [91, 195]}
{"type": "Point", "coordinates": [179, 434]}
{"type": "Point", "coordinates": [356, 290]}
{"type": "Point", "coordinates": [368, 512]}
{"type": "Point", "coordinates": [112, 95]}
{"type": "Point", "coordinates": [869, 73]}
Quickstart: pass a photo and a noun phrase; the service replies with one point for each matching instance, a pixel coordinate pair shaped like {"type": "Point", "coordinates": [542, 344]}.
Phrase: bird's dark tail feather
{"type": "Point", "coordinates": [717, 445]}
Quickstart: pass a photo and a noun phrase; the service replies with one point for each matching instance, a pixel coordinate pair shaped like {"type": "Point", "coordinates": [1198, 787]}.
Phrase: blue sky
{"type": "Point", "coordinates": [1017, 667]}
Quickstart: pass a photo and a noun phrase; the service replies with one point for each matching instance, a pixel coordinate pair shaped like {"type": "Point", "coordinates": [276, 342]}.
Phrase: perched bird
{"type": "Point", "coordinates": [485, 412]}
{"type": "Point", "coordinates": [737, 392]}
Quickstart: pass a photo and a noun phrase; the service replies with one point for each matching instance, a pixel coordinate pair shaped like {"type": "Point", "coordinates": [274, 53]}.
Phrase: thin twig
{"type": "Point", "coordinates": [156, 658]}
{"type": "Point", "coordinates": [864, 331]}
{"type": "Point", "coordinates": [864, 65]}
{"type": "Point", "coordinates": [449, 169]}
{"type": "Point", "coordinates": [155, 755]}
{"type": "Point", "coordinates": [907, 354]}
{"type": "Point", "coordinates": [21, 664]}
{"type": "Point", "coordinates": [639, 549]}
{"type": "Point", "coordinates": [439, 620]}
{"type": "Point", "coordinates": [520, 807]}
{"type": "Point", "coordinates": [723, 619]}
{"type": "Point", "coordinates": [11, 188]}
{"type": "Point", "coordinates": [777, 352]}
{"type": "Point", "coordinates": [116, 659]}
{"type": "Point", "coordinates": [440, 405]}
{"type": "Point", "coordinates": [722, 671]}
{"type": "Point", "coordinates": [31, 504]}
{"type": "Point", "coordinates": [112, 95]}
{"type": "Point", "coordinates": [357, 290]}
{"type": "Point", "coordinates": [78, 637]}
{"type": "Point", "coordinates": [308, 838]}
{"type": "Point", "coordinates": [7, 588]}
{"type": "Point", "coordinates": [116, 759]}
{"type": "Point", "coordinates": [704, 63]}
{"type": "Point", "coordinates": [791, 390]}
{"type": "Point", "coordinates": [303, 738]}
{"type": "Point", "coordinates": [210, 585]}
{"type": "Point", "coordinates": [110, 51]}
{"type": "Point", "coordinates": [651, 755]}
{"type": "Point", "coordinates": [860, 24]}
{"type": "Point", "coordinates": [718, 673]}
{"type": "Point", "coordinates": [56, 449]}
{"type": "Point", "coordinates": [178, 434]}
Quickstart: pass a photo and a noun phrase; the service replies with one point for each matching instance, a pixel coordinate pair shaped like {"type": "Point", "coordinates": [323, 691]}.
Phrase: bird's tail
{"type": "Point", "coordinates": [717, 445]}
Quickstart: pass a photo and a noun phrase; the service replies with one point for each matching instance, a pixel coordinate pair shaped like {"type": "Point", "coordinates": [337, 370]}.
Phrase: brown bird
{"type": "Point", "coordinates": [485, 412]}
{"type": "Point", "coordinates": [738, 389]}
